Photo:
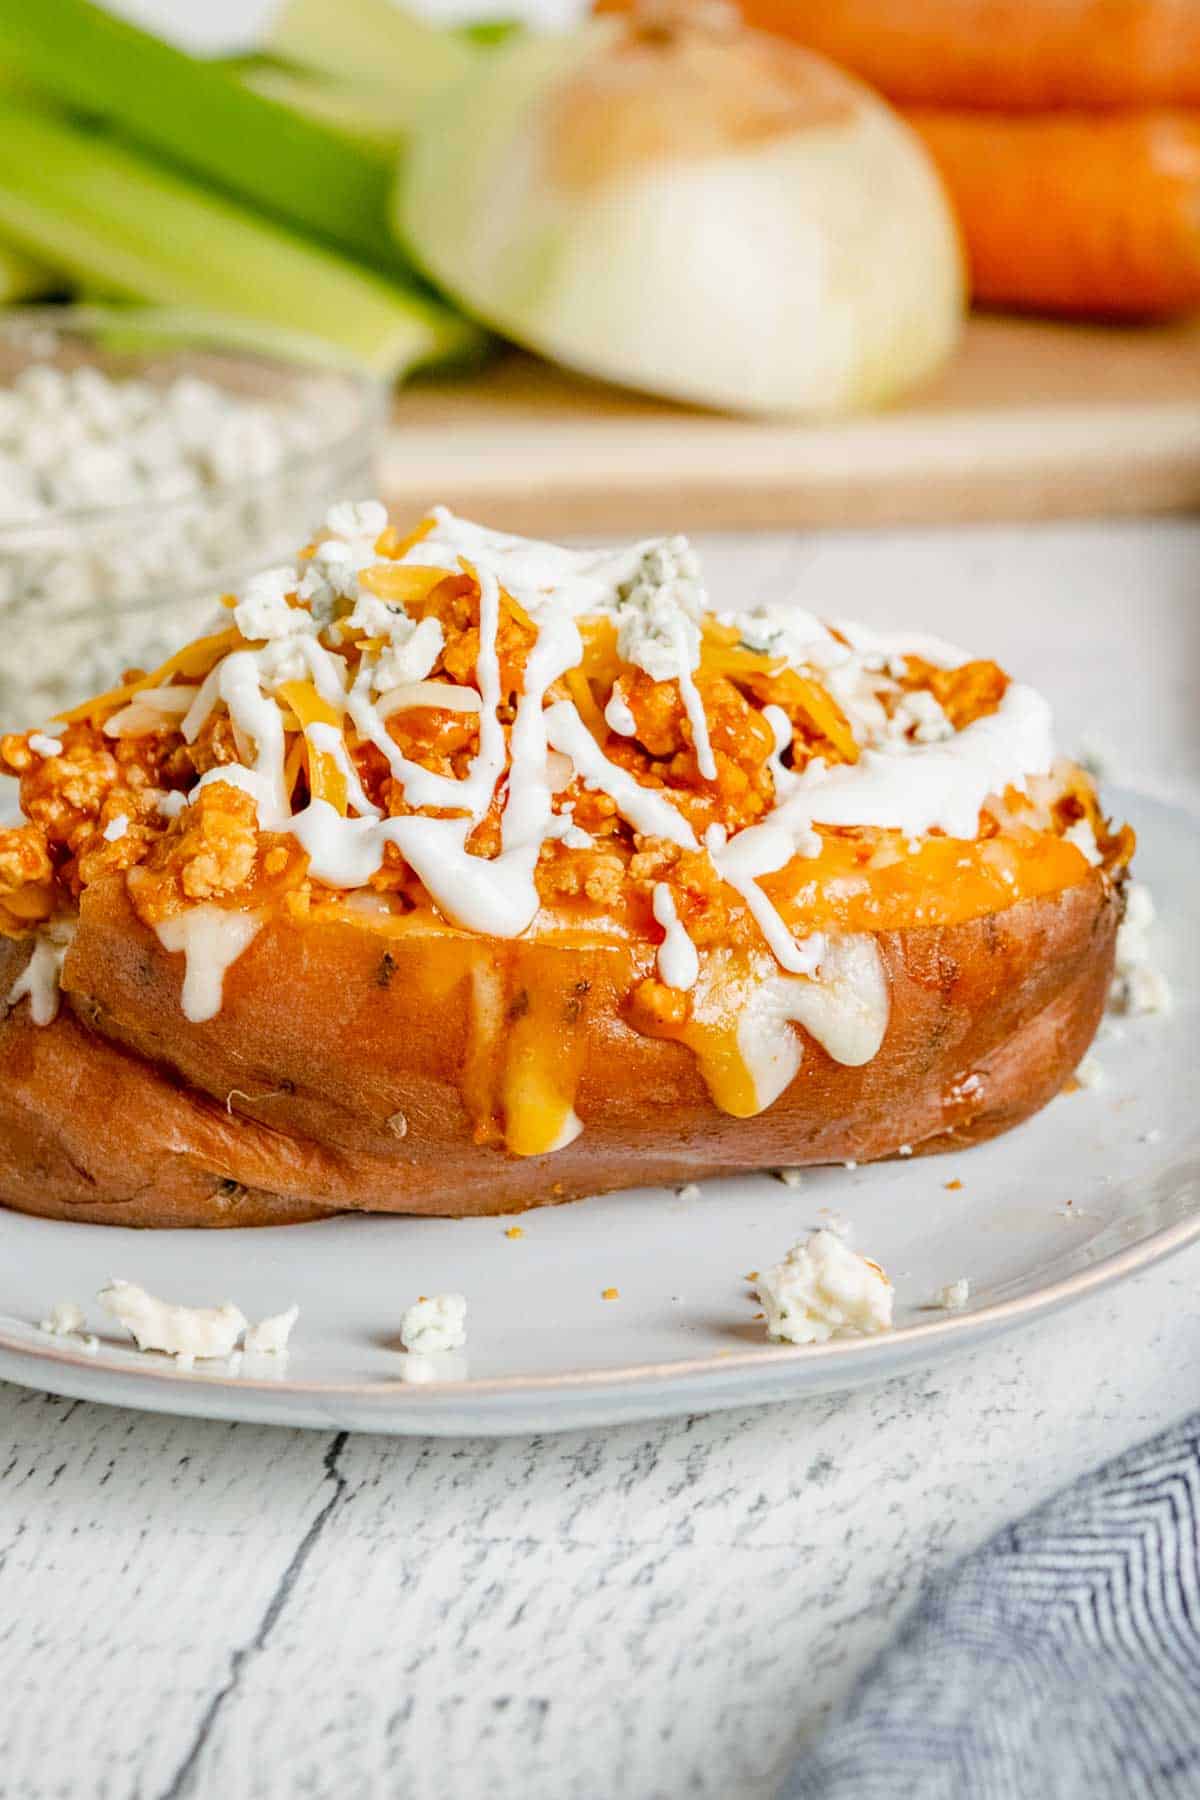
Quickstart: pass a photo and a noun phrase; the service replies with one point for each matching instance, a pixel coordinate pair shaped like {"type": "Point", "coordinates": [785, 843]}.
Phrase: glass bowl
{"type": "Point", "coordinates": [87, 592]}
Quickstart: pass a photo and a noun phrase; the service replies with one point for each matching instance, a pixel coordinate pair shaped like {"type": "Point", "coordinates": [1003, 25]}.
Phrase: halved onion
{"type": "Point", "coordinates": [693, 208]}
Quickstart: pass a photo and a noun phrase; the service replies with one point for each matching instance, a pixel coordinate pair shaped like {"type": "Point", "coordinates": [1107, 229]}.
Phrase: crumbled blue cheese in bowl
{"type": "Point", "coordinates": [148, 461]}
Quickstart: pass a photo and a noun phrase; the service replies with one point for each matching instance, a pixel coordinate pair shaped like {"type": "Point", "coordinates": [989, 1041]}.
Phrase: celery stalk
{"type": "Point", "coordinates": [20, 277]}
{"type": "Point", "coordinates": [371, 43]}
{"type": "Point", "coordinates": [199, 115]}
{"type": "Point", "coordinates": [377, 117]}
{"type": "Point", "coordinates": [124, 226]}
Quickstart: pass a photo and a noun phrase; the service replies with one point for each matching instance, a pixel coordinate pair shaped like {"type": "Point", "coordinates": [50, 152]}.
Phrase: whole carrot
{"type": "Point", "coordinates": [1011, 55]}
{"type": "Point", "coordinates": [1074, 213]}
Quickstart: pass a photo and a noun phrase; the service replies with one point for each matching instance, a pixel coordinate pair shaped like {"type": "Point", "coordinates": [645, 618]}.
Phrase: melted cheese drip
{"type": "Point", "coordinates": [538, 1120]}
{"type": "Point", "coordinates": [846, 1010]}
{"type": "Point", "coordinates": [211, 939]}
{"type": "Point", "coordinates": [542, 1062]}
{"type": "Point", "coordinates": [742, 1025]}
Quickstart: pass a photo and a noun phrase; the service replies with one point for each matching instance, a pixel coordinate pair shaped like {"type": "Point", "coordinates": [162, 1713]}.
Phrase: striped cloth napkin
{"type": "Point", "coordinates": [1060, 1662]}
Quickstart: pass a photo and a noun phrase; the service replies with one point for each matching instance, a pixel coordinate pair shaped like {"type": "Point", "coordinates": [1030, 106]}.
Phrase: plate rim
{"type": "Point", "coordinates": [854, 1352]}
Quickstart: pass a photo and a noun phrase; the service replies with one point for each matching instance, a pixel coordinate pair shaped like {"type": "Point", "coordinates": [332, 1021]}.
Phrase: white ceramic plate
{"type": "Point", "coordinates": [1099, 1185]}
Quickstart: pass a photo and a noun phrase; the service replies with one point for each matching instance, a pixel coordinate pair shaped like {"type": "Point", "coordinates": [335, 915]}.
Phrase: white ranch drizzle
{"type": "Point", "coordinates": [646, 809]}
{"type": "Point", "coordinates": [678, 960]}
{"type": "Point", "coordinates": [941, 785]}
{"type": "Point", "coordinates": [934, 786]}
{"type": "Point", "coordinates": [578, 581]}
{"type": "Point", "coordinates": [694, 708]}
{"type": "Point", "coordinates": [784, 778]}
{"type": "Point", "coordinates": [237, 682]}
{"type": "Point", "coordinates": [421, 786]}
{"type": "Point", "coordinates": [869, 642]}
{"type": "Point", "coordinates": [328, 671]}
{"type": "Point", "coordinates": [846, 1011]}
{"type": "Point", "coordinates": [618, 715]}
{"type": "Point", "coordinates": [332, 742]}
{"type": "Point", "coordinates": [495, 895]}
{"type": "Point", "coordinates": [528, 810]}
{"type": "Point", "coordinates": [39, 980]}
{"type": "Point", "coordinates": [211, 939]}
{"type": "Point", "coordinates": [740, 860]}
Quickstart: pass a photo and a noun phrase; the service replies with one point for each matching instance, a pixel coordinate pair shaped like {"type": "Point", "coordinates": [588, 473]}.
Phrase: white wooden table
{"type": "Point", "coordinates": [647, 1613]}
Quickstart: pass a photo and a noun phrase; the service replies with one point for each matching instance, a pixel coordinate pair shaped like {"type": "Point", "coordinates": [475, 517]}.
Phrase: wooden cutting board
{"type": "Point", "coordinates": [1032, 420]}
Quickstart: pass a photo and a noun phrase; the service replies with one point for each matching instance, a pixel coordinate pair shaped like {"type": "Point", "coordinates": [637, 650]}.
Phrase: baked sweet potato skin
{"type": "Point", "coordinates": [335, 1037]}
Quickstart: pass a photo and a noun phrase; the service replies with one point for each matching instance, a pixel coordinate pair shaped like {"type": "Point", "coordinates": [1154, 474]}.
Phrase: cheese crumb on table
{"type": "Point", "coordinates": [611, 1294]}
{"type": "Point", "coordinates": [270, 1336]}
{"type": "Point", "coordinates": [690, 1192]}
{"type": "Point", "coordinates": [792, 1177]}
{"type": "Point", "coordinates": [823, 1289]}
{"type": "Point", "coordinates": [436, 1323]}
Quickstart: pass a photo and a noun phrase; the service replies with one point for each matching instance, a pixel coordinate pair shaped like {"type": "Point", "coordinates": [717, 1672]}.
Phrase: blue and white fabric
{"type": "Point", "coordinates": [1059, 1662]}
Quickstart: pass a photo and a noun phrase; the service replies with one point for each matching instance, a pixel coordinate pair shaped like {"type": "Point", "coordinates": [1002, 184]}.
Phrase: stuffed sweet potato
{"type": "Point", "coordinates": [460, 875]}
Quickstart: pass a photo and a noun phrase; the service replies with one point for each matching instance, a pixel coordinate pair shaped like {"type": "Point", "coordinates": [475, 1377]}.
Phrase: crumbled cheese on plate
{"type": "Point", "coordinates": [434, 1324]}
{"type": "Point", "coordinates": [270, 1336]}
{"type": "Point", "coordinates": [184, 1332]}
{"type": "Point", "coordinates": [1138, 985]}
{"type": "Point", "coordinates": [822, 1289]}
{"type": "Point", "coordinates": [65, 1319]}
{"type": "Point", "coordinates": [192, 1333]}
